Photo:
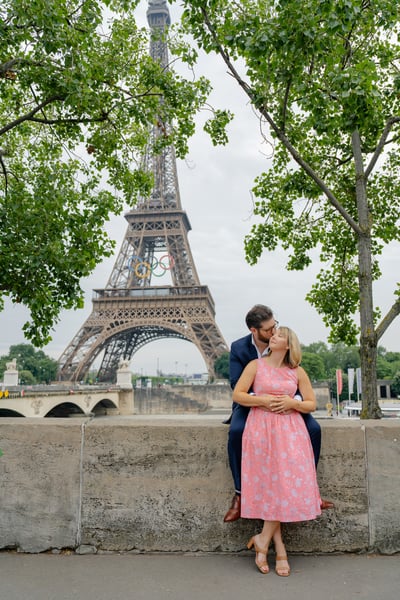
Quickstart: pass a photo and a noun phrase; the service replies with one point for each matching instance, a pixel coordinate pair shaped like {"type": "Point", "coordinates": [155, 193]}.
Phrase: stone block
{"type": "Point", "coordinates": [383, 469]}
{"type": "Point", "coordinates": [40, 483]}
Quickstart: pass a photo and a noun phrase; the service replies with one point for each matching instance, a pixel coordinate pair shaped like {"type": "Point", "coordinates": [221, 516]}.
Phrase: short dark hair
{"type": "Point", "coordinates": [257, 315]}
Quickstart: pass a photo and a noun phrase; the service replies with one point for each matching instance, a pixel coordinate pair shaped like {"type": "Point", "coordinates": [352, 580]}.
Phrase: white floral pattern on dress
{"type": "Point", "coordinates": [279, 481]}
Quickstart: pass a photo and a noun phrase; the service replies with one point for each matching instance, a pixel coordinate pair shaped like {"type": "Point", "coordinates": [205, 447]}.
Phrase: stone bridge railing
{"type": "Point", "coordinates": [86, 401]}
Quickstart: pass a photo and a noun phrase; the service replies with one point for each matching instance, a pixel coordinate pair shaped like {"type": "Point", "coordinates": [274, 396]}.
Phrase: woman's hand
{"type": "Point", "coordinates": [282, 404]}
{"type": "Point", "coordinates": [266, 402]}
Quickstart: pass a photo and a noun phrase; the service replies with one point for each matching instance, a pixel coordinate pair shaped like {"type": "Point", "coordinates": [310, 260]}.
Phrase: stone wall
{"type": "Point", "coordinates": [168, 400]}
{"type": "Point", "coordinates": [162, 483]}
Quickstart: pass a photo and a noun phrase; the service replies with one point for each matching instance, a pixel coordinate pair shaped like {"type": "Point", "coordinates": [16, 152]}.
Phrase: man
{"type": "Point", "coordinates": [262, 325]}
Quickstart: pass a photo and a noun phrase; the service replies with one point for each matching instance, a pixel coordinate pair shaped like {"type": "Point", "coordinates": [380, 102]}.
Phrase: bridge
{"type": "Point", "coordinates": [66, 402]}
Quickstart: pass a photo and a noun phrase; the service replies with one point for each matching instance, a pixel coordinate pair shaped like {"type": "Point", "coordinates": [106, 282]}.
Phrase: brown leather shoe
{"type": "Point", "coordinates": [233, 513]}
{"type": "Point", "coordinates": [325, 504]}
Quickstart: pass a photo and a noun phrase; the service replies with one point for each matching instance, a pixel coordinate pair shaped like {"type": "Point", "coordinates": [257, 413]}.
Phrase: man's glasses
{"type": "Point", "coordinates": [275, 326]}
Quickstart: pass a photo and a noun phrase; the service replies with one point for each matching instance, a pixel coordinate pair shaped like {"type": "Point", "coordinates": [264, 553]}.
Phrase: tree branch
{"type": "Point", "coordinates": [279, 133]}
{"type": "Point", "coordinates": [8, 65]}
{"type": "Point", "coordinates": [3, 167]}
{"type": "Point", "coordinates": [378, 151]}
{"type": "Point", "coordinates": [46, 121]}
{"type": "Point", "coordinates": [285, 103]}
{"type": "Point", "coordinates": [225, 55]}
{"type": "Point", "coordinates": [310, 171]}
{"type": "Point", "coordinates": [388, 319]}
{"type": "Point", "coordinates": [31, 114]}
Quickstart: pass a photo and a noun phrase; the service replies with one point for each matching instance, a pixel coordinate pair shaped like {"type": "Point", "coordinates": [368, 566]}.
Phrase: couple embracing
{"type": "Point", "coordinates": [274, 442]}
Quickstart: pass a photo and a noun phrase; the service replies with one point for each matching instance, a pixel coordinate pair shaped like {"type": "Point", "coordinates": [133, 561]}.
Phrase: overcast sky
{"type": "Point", "coordinates": [215, 186]}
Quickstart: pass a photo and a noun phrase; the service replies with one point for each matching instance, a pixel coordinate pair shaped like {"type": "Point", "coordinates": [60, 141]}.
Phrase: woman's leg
{"type": "Point", "coordinates": [278, 542]}
{"type": "Point", "coordinates": [268, 531]}
{"type": "Point", "coordinates": [282, 566]}
{"type": "Point", "coordinates": [262, 542]}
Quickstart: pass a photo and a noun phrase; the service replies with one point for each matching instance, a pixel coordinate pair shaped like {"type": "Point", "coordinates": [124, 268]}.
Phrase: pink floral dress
{"type": "Point", "coordinates": [279, 480]}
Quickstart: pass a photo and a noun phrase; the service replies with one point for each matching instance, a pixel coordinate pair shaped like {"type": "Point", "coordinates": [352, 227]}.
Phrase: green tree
{"type": "Point", "coordinates": [221, 365]}
{"type": "Point", "coordinates": [78, 94]}
{"type": "Point", "coordinates": [319, 348]}
{"type": "Point", "coordinates": [388, 363]}
{"type": "Point", "coordinates": [41, 367]}
{"type": "Point", "coordinates": [395, 387]}
{"type": "Point", "coordinates": [342, 357]}
{"type": "Point", "coordinates": [314, 365]}
{"type": "Point", "coordinates": [383, 368]}
{"type": "Point", "coordinates": [392, 357]}
{"type": "Point", "coordinates": [325, 79]}
{"type": "Point", "coordinates": [26, 378]}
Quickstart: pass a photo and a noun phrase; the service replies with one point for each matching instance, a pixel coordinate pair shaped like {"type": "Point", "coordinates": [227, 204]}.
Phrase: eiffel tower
{"type": "Point", "coordinates": [135, 308]}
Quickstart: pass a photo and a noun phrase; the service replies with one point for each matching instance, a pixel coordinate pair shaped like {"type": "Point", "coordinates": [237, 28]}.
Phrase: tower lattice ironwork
{"type": "Point", "coordinates": [135, 307]}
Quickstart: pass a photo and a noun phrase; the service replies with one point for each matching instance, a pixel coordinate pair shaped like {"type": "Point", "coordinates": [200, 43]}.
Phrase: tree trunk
{"type": "Point", "coordinates": [368, 338]}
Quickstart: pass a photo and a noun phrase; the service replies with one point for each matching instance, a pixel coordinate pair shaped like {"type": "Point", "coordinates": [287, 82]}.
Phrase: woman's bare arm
{"type": "Point", "coordinates": [245, 381]}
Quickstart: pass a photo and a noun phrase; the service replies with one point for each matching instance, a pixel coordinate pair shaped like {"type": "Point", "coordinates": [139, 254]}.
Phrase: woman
{"type": "Point", "coordinates": [279, 482]}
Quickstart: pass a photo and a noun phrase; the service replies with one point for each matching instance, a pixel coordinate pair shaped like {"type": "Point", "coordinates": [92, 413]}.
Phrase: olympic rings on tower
{"type": "Point", "coordinates": [144, 270]}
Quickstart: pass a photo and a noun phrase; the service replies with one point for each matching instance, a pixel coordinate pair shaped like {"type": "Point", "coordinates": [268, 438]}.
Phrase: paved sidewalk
{"type": "Point", "coordinates": [195, 577]}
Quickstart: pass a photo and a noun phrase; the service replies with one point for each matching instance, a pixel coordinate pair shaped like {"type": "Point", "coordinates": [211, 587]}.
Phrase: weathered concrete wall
{"type": "Point", "coordinates": [40, 483]}
{"type": "Point", "coordinates": [169, 400]}
{"type": "Point", "coordinates": [163, 484]}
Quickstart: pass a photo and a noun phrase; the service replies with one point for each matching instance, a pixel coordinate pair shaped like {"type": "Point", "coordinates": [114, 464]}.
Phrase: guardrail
{"type": "Point", "coordinates": [388, 409]}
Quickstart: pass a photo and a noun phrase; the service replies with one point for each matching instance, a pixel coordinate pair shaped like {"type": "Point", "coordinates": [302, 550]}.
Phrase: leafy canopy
{"type": "Point", "coordinates": [78, 94]}
{"type": "Point", "coordinates": [221, 366]}
{"type": "Point", "coordinates": [318, 72]}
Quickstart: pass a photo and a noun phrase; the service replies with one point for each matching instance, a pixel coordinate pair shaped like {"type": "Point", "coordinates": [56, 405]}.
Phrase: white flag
{"type": "Point", "coordinates": [358, 378]}
{"type": "Point", "coordinates": [350, 373]}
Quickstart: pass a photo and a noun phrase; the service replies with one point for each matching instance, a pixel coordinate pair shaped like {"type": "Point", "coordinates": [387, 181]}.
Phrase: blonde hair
{"type": "Point", "coordinates": [292, 357]}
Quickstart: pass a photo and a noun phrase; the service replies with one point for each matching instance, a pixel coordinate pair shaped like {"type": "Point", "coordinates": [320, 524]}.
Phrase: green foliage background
{"type": "Point", "coordinates": [79, 94]}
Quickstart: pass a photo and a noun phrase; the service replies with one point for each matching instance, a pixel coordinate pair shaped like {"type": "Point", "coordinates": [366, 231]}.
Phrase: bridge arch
{"type": "Point", "coordinates": [8, 412]}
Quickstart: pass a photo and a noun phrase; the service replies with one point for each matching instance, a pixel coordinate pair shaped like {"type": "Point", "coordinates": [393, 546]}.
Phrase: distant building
{"type": "Point", "coordinates": [197, 379]}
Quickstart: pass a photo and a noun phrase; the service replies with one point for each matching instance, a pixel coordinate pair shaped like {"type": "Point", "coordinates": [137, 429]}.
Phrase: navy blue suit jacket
{"type": "Point", "coordinates": [242, 352]}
